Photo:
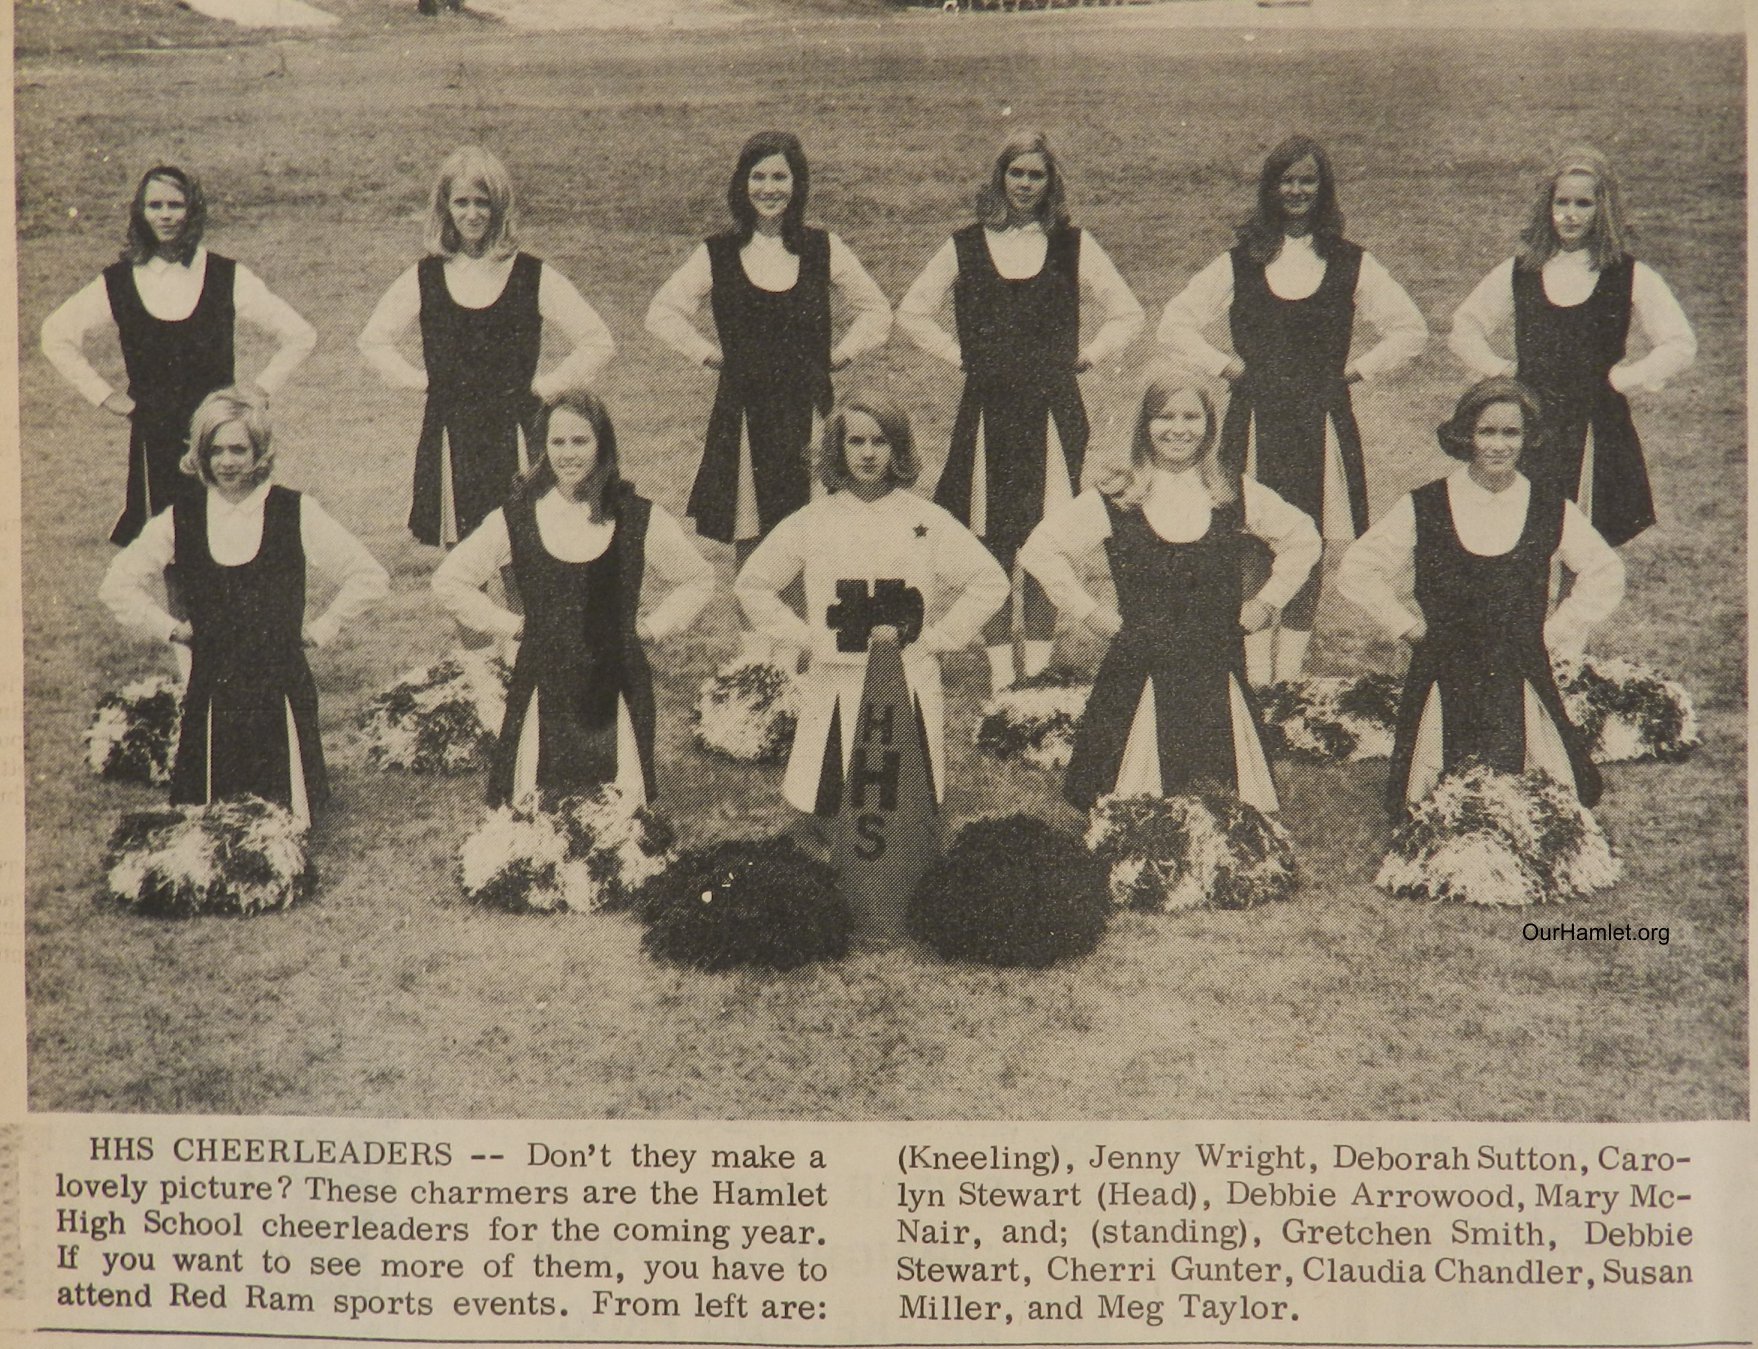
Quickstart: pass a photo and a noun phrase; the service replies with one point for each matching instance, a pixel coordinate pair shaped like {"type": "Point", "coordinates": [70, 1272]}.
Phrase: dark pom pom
{"type": "Point", "coordinates": [761, 902]}
{"type": "Point", "coordinates": [1011, 891]}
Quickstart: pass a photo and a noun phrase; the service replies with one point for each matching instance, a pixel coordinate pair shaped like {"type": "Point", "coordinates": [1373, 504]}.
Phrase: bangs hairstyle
{"type": "Point", "coordinates": [603, 482]}
{"type": "Point", "coordinates": [469, 166]}
{"type": "Point", "coordinates": [738, 191]}
{"type": "Point", "coordinates": [1457, 433]}
{"type": "Point", "coordinates": [1262, 231]}
{"type": "Point", "coordinates": [1128, 487]}
{"type": "Point", "coordinates": [894, 424]}
{"type": "Point", "coordinates": [222, 408]}
{"type": "Point", "coordinates": [1609, 239]}
{"type": "Point", "coordinates": [142, 244]}
{"type": "Point", "coordinates": [992, 195]}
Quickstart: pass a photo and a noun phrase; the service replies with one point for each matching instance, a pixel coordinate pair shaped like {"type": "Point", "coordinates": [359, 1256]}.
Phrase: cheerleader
{"type": "Point", "coordinates": [579, 544]}
{"type": "Point", "coordinates": [174, 307]}
{"type": "Point", "coordinates": [1291, 288]}
{"type": "Point", "coordinates": [1482, 541]}
{"type": "Point", "coordinates": [868, 529]}
{"type": "Point", "coordinates": [482, 306]}
{"type": "Point", "coordinates": [240, 551]}
{"type": "Point", "coordinates": [1020, 433]}
{"type": "Point", "coordinates": [768, 281]}
{"type": "Point", "coordinates": [1569, 294]}
{"type": "Point", "coordinates": [1169, 707]}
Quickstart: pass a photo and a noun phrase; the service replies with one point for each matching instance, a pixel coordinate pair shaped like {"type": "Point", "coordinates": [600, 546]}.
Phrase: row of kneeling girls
{"type": "Point", "coordinates": [601, 574]}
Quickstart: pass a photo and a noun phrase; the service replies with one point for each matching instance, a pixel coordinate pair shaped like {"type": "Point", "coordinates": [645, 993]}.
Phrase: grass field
{"type": "Point", "coordinates": [390, 996]}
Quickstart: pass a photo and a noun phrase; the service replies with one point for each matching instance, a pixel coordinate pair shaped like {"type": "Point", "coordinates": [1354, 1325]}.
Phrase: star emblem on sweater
{"type": "Point", "coordinates": [921, 531]}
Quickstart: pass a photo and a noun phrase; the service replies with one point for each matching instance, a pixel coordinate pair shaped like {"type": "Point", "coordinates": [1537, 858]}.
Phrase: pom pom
{"type": "Point", "coordinates": [242, 856]}
{"type": "Point", "coordinates": [1627, 711]}
{"type": "Point", "coordinates": [1186, 852]}
{"type": "Point", "coordinates": [133, 733]}
{"type": "Point", "coordinates": [1484, 837]}
{"type": "Point", "coordinates": [763, 903]}
{"type": "Point", "coordinates": [1011, 891]}
{"type": "Point", "coordinates": [747, 711]}
{"type": "Point", "coordinates": [442, 718]}
{"type": "Point", "coordinates": [1331, 717]}
{"type": "Point", "coordinates": [1034, 719]}
{"type": "Point", "coordinates": [570, 854]}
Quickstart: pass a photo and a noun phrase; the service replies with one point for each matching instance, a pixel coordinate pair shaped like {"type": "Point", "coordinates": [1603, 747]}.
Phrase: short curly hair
{"type": "Point", "coordinates": [1456, 433]}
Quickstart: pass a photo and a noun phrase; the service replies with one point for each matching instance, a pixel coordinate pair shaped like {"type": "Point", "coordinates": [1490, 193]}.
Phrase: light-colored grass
{"type": "Point", "coordinates": [390, 996]}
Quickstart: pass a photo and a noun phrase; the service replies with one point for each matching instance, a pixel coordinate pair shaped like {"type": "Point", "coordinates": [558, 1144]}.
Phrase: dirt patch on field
{"type": "Point", "coordinates": [643, 14]}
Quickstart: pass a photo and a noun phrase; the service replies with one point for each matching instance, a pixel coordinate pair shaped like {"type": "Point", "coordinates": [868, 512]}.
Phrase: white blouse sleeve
{"type": "Point", "coordinates": [1392, 314]}
{"type": "Point", "coordinates": [1060, 540]}
{"type": "Point", "coordinates": [922, 301]}
{"type": "Point", "coordinates": [968, 570]}
{"type": "Point", "coordinates": [129, 588]}
{"type": "Point", "coordinates": [690, 580]}
{"type": "Point", "coordinates": [395, 312]}
{"type": "Point", "coordinates": [1292, 537]}
{"type": "Point", "coordinates": [459, 581]}
{"type": "Point", "coordinates": [561, 306]}
{"type": "Point", "coordinates": [63, 339]}
{"type": "Point", "coordinates": [872, 321]}
{"type": "Point", "coordinates": [1487, 312]}
{"type": "Point", "coordinates": [670, 317]}
{"type": "Point", "coordinates": [1377, 562]}
{"type": "Point", "coordinates": [1672, 344]}
{"type": "Point", "coordinates": [1598, 588]}
{"type": "Point", "coordinates": [1123, 312]}
{"type": "Point", "coordinates": [260, 307]}
{"type": "Point", "coordinates": [341, 558]}
{"type": "Point", "coordinates": [775, 563]}
{"type": "Point", "coordinates": [1208, 296]}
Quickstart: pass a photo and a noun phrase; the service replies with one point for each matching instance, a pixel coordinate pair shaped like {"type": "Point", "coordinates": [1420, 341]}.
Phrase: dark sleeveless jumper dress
{"type": "Point", "coordinates": [1485, 643]}
{"type": "Point", "coordinates": [248, 663]}
{"type": "Point", "coordinates": [580, 654]}
{"type": "Point", "coordinates": [1564, 354]}
{"type": "Point", "coordinates": [775, 374]}
{"type": "Point", "coordinates": [172, 365]}
{"type": "Point", "coordinates": [480, 364]}
{"type": "Point", "coordinates": [1180, 605]}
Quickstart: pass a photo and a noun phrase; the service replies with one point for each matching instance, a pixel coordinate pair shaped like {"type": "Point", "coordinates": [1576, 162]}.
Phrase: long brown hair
{"type": "Point", "coordinates": [1262, 231]}
{"type": "Point", "coordinates": [992, 195]}
{"type": "Point", "coordinates": [1608, 241]}
{"type": "Point", "coordinates": [738, 190]}
{"type": "Point", "coordinates": [605, 480]}
{"type": "Point", "coordinates": [142, 244]}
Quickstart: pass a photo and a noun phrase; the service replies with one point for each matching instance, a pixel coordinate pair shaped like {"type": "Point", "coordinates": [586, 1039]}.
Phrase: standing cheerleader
{"type": "Point", "coordinates": [240, 552]}
{"type": "Point", "coordinates": [868, 529]}
{"type": "Point", "coordinates": [768, 281]}
{"type": "Point", "coordinates": [482, 306]}
{"type": "Point", "coordinates": [1290, 288]}
{"type": "Point", "coordinates": [1569, 294]}
{"type": "Point", "coordinates": [1482, 541]}
{"type": "Point", "coordinates": [1020, 434]}
{"type": "Point", "coordinates": [1169, 707]}
{"type": "Point", "coordinates": [579, 544]}
{"type": "Point", "coordinates": [174, 307]}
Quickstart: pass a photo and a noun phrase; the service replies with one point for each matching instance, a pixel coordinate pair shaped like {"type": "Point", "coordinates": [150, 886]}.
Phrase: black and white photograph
{"type": "Point", "coordinates": [871, 560]}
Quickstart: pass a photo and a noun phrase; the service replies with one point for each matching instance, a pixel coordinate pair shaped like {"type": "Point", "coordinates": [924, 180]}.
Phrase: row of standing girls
{"type": "Point", "coordinates": [1291, 289]}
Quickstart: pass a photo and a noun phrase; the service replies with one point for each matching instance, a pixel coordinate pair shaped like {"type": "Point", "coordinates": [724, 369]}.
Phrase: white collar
{"type": "Point", "coordinates": [159, 263]}
{"type": "Point", "coordinates": [1575, 259]}
{"type": "Point", "coordinates": [889, 502]}
{"type": "Point", "coordinates": [1024, 227]}
{"type": "Point", "coordinates": [1461, 479]}
{"type": "Point", "coordinates": [251, 503]}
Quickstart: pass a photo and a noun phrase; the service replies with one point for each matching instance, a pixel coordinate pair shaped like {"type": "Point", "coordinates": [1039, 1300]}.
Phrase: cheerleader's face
{"type": "Point", "coordinates": [472, 212]}
{"type": "Point", "coordinates": [771, 187]}
{"type": "Point", "coordinates": [165, 209]}
{"type": "Point", "coordinates": [1298, 189]}
{"type": "Point", "coordinates": [572, 449]}
{"type": "Point", "coordinates": [232, 461]}
{"type": "Point", "coordinates": [1497, 443]}
{"type": "Point", "coordinates": [1574, 204]}
{"type": "Point", "coordinates": [1177, 431]}
{"type": "Point", "coordinates": [1027, 179]}
{"type": "Point", "coordinates": [868, 454]}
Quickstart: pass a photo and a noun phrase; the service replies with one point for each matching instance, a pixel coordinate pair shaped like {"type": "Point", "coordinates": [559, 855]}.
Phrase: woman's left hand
{"type": "Point", "coordinates": [311, 642]}
{"type": "Point", "coordinates": [840, 363]}
{"type": "Point", "coordinates": [644, 631]}
{"type": "Point", "coordinates": [1352, 375]}
{"type": "Point", "coordinates": [1255, 615]}
{"type": "Point", "coordinates": [1082, 364]}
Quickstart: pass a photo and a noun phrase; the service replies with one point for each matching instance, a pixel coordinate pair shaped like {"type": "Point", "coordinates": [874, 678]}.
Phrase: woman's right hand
{"type": "Point", "coordinates": [715, 360]}
{"type": "Point", "coordinates": [119, 404]}
{"type": "Point", "coordinates": [1417, 633]}
{"type": "Point", "coordinates": [183, 633]}
{"type": "Point", "coordinates": [1105, 621]}
{"type": "Point", "coordinates": [1233, 371]}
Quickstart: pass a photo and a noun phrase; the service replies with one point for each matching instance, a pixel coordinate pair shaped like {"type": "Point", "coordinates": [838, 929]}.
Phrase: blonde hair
{"type": "Point", "coordinates": [893, 423]}
{"type": "Point", "coordinates": [469, 165]}
{"type": "Point", "coordinates": [1128, 485]}
{"type": "Point", "coordinates": [222, 408]}
{"type": "Point", "coordinates": [1609, 239]}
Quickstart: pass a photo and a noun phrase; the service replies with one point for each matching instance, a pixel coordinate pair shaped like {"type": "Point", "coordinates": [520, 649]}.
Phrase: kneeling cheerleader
{"type": "Point", "coordinates": [1169, 709]}
{"type": "Point", "coordinates": [867, 531]}
{"type": "Point", "coordinates": [579, 543]}
{"type": "Point", "coordinates": [239, 553]}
